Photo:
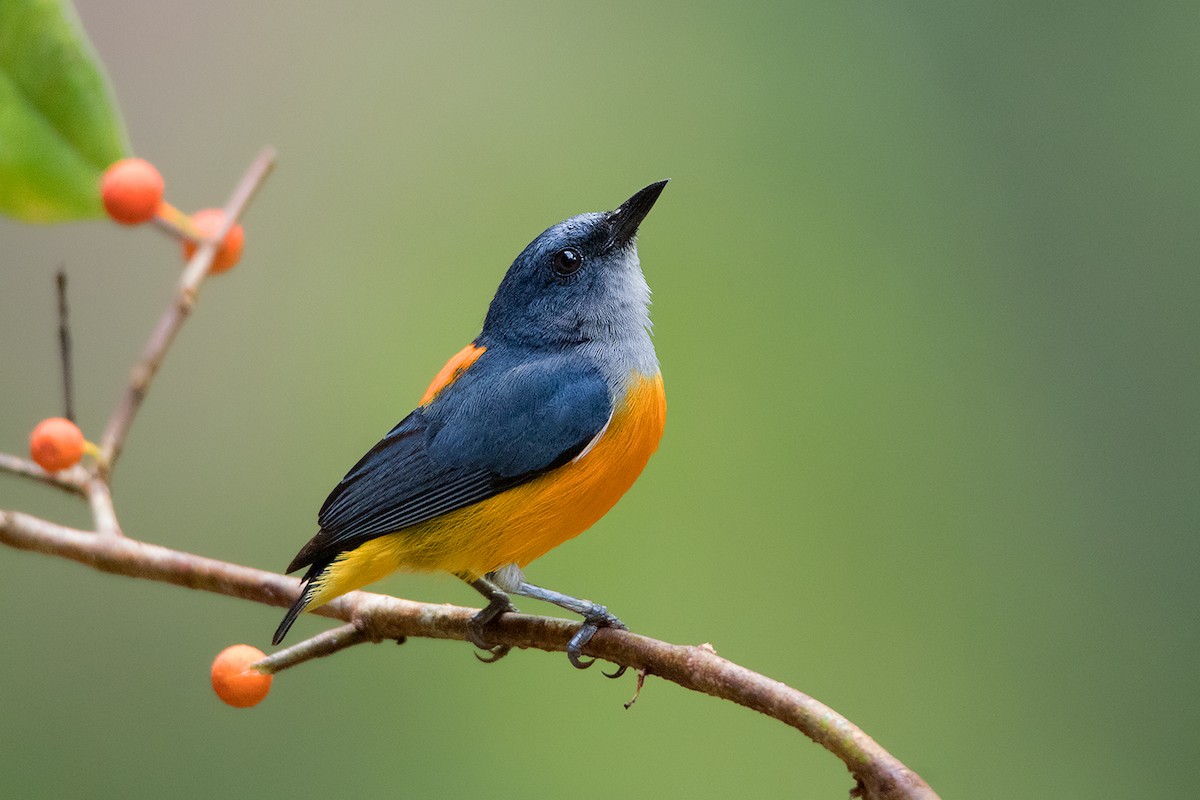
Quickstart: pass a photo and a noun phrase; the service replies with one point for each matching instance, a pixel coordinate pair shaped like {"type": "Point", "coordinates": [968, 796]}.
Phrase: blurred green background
{"type": "Point", "coordinates": [925, 301]}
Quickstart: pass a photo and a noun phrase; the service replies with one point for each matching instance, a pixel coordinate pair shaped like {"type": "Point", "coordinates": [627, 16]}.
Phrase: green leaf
{"type": "Point", "coordinates": [58, 127]}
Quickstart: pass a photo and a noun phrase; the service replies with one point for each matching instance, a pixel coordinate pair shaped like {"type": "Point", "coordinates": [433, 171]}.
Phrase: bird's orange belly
{"type": "Point", "coordinates": [522, 523]}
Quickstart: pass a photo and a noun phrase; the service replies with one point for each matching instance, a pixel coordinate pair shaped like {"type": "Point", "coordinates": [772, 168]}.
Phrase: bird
{"type": "Point", "coordinates": [524, 439]}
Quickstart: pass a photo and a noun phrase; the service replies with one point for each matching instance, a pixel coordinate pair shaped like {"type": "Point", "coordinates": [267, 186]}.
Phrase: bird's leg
{"type": "Point", "coordinates": [498, 603]}
{"type": "Point", "coordinates": [595, 617]}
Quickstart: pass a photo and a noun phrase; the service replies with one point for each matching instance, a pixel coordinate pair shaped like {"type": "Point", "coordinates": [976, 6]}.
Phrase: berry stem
{"type": "Point", "coordinates": [175, 222]}
{"type": "Point", "coordinates": [92, 449]}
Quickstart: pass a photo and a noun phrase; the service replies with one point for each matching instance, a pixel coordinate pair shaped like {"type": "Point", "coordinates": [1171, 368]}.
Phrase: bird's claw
{"type": "Point", "coordinates": [496, 653]}
{"type": "Point", "coordinates": [596, 618]}
{"type": "Point", "coordinates": [618, 673]}
{"type": "Point", "coordinates": [480, 621]}
{"type": "Point", "coordinates": [574, 647]}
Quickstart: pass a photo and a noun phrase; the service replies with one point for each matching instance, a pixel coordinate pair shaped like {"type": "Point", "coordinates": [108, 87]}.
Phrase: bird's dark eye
{"type": "Point", "coordinates": [567, 262]}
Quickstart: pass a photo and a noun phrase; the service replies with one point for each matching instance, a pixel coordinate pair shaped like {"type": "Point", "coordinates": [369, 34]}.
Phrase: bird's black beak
{"type": "Point", "coordinates": [625, 220]}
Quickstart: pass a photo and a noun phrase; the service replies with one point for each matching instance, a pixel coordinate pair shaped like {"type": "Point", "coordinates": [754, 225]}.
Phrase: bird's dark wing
{"type": "Point", "coordinates": [494, 428]}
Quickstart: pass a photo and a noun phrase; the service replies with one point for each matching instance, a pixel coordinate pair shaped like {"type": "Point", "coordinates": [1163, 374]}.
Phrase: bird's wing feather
{"type": "Point", "coordinates": [494, 428]}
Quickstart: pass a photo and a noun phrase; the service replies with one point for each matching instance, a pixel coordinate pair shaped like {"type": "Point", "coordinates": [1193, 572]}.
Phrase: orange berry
{"type": "Point", "coordinates": [233, 682]}
{"type": "Point", "coordinates": [208, 222]}
{"type": "Point", "coordinates": [56, 443]}
{"type": "Point", "coordinates": [131, 190]}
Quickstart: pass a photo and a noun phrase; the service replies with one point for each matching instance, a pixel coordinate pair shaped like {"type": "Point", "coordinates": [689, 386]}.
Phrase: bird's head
{"type": "Point", "coordinates": [579, 281]}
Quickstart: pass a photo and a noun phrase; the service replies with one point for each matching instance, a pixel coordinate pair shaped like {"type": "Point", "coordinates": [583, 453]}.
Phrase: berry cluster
{"type": "Point", "coordinates": [132, 192]}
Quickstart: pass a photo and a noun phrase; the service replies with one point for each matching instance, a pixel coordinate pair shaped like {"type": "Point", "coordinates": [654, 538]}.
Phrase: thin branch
{"type": "Point", "coordinates": [64, 346]}
{"type": "Point", "coordinates": [177, 312]}
{"type": "Point", "coordinates": [69, 480]}
{"type": "Point", "coordinates": [377, 617]}
{"type": "Point", "coordinates": [319, 646]}
{"type": "Point", "coordinates": [103, 513]}
{"type": "Point", "coordinates": [77, 481]}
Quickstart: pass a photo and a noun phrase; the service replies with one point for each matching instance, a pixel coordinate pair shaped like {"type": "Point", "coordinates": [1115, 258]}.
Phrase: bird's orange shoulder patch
{"type": "Point", "coordinates": [455, 367]}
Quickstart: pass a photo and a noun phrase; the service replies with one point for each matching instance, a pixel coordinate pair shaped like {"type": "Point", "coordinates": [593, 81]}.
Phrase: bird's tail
{"type": "Point", "coordinates": [290, 616]}
{"type": "Point", "coordinates": [309, 588]}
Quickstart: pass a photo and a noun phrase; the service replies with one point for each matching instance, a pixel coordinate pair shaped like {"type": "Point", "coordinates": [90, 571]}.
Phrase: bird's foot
{"type": "Point", "coordinates": [475, 629]}
{"type": "Point", "coordinates": [594, 618]}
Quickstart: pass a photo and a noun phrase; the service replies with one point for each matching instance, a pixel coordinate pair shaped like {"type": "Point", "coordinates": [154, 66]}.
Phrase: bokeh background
{"type": "Point", "coordinates": [925, 286]}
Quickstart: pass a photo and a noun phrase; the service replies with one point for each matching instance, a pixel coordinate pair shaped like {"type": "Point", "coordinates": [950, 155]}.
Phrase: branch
{"type": "Point", "coordinates": [64, 345]}
{"type": "Point", "coordinates": [177, 312]}
{"type": "Point", "coordinates": [70, 480]}
{"type": "Point", "coordinates": [377, 617]}
{"type": "Point", "coordinates": [319, 646]}
{"type": "Point", "coordinates": [104, 515]}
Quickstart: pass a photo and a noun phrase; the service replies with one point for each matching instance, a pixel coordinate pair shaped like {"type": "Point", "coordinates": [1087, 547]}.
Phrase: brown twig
{"type": "Point", "coordinates": [177, 312]}
{"type": "Point", "coordinates": [64, 346]}
{"type": "Point", "coordinates": [637, 692]}
{"type": "Point", "coordinates": [70, 480]}
{"type": "Point", "coordinates": [378, 617]}
{"type": "Point", "coordinates": [104, 515]}
{"type": "Point", "coordinates": [319, 646]}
